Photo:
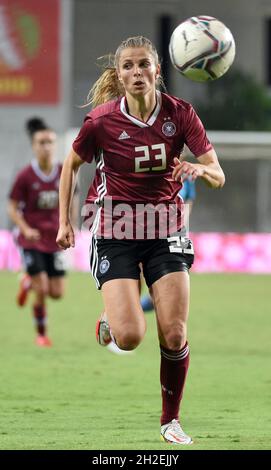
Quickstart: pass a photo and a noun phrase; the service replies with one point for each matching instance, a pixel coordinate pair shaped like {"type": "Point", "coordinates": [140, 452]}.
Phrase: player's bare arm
{"type": "Point", "coordinates": [17, 218]}
{"type": "Point", "coordinates": [208, 169]}
{"type": "Point", "coordinates": [65, 236]}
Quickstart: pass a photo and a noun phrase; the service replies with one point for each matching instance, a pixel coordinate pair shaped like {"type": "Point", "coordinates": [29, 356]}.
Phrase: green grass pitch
{"type": "Point", "coordinates": [78, 395]}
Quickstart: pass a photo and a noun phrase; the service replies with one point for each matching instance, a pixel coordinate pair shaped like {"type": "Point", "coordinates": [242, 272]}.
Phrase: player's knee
{"type": "Point", "coordinates": [175, 337]}
{"type": "Point", "coordinates": [130, 339]}
{"type": "Point", "coordinates": [56, 294]}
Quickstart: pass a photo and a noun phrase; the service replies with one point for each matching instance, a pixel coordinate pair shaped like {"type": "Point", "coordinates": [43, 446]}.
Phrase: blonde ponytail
{"type": "Point", "coordinates": [108, 86]}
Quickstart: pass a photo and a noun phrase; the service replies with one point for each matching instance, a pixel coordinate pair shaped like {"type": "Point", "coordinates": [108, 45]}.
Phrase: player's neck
{"type": "Point", "coordinates": [141, 107]}
{"type": "Point", "coordinates": [46, 167]}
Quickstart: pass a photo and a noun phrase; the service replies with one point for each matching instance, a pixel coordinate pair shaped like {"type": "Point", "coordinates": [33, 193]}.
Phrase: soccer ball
{"type": "Point", "coordinates": [202, 48]}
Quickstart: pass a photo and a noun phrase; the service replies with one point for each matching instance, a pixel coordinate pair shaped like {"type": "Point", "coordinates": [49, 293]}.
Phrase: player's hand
{"type": "Point", "coordinates": [65, 237]}
{"type": "Point", "coordinates": [186, 170]}
{"type": "Point", "coordinates": [31, 234]}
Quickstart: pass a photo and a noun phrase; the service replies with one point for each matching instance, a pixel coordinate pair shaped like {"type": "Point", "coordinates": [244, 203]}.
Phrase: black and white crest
{"type": "Point", "coordinates": [104, 266]}
{"type": "Point", "coordinates": [169, 129]}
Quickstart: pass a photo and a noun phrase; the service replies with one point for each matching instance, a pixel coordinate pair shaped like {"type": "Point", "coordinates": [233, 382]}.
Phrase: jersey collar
{"type": "Point", "coordinates": [45, 178]}
{"type": "Point", "coordinates": [152, 117]}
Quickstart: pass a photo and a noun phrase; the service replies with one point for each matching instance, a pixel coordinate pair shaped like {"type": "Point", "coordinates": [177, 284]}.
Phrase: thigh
{"type": "Point", "coordinates": [122, 306]}
{"type": "Point", "coordinates": [171, 295]}
{"type": "Point", "coordinates": [40, 283]}
{"type": "Point", "coordinates": [57, 286]}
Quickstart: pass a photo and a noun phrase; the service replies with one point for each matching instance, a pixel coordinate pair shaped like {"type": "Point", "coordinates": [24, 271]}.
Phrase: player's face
{"type": "Point", "coordinates": [137, 71]}
{"type": "Point", "coordinates": [43, 145]}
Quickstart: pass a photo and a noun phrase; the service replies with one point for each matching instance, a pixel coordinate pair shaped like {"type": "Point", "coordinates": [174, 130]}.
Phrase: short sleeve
{"type": "Point", "coordinates": [195, 134]}
{"type": "Point", "coordinates": [85, 143]}
{"type": "Point", "coordinates": [18, 191]}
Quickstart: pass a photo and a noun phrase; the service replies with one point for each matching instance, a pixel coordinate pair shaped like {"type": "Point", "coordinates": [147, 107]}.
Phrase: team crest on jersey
{"type": "Point", "coordinates": [104, 266]}
{"type": "Point", "coordinates": [169, 129]}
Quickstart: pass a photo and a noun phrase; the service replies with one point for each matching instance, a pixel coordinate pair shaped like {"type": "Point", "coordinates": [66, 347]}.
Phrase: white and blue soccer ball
{"type": "Point", "coordinates": [202, 48]}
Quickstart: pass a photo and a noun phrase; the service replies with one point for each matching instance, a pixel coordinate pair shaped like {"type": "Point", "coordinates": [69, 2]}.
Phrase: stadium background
{"type": "Point", "coordinates": [48, 53]}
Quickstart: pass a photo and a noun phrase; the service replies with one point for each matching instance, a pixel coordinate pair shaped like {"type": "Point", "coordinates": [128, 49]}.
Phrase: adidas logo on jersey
{"type": "Point", "coordinates": [124, 135]}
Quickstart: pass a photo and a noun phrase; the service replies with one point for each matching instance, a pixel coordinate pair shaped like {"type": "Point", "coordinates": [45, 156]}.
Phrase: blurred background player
{"type": "Point", "coordinates": [188, 194]}
{"type": "Point", "coordinates": [34, 208]}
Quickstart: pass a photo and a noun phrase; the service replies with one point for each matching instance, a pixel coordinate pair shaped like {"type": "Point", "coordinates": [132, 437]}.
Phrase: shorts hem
{"type": "Point", "coordinates": [103, 281]}
{"type": "Point", "coordinates": [155, 277]}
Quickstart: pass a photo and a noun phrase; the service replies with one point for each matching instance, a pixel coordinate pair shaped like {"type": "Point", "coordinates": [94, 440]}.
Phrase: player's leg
{"type": "Point", "coordinates": [36, 266]}
{"type": "Point", "coordinates": [29, 263]}
{"type": "Point", "coordinates": [56, 287]}
{"type": "Point", "coordinates": [171, 299]}
{"type": "Point", "coordinates": [55, 267]}
{"type": "Point", "coordinates": [166, 270]}
{"type": "Point", "coordinates": [115, 268]}
{"type": "Point", "coordinates": [126, 318]}
{"type": "Point", "coordinates": [24, 289]}
{"type": "Point", "coordinates": [36, 271]}
{"type": "Point", "coordinates": [40, 286]}
{"type": "Point", "coordinates": [51, 283]}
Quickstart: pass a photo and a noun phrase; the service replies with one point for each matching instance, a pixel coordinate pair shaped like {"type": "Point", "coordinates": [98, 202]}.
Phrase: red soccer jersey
{"type": "Point", "coordinates": [38, 197]}
{"type": "Point", "coordinates": [134, 159]}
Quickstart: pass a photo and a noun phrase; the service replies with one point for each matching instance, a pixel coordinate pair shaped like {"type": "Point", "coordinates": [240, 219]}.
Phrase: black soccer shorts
{"type": "Point", "coordinates": [36, 261]}
{"type": "Point", "coordinates": [119, 259]}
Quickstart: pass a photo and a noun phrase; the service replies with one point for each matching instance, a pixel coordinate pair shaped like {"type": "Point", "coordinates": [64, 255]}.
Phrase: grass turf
{"type": "Point", "coordinates": [78, 395]}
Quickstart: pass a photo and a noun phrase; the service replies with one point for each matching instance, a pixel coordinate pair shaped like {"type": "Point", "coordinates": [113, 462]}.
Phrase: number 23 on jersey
{"type": "Point", "coordinates": [160, 156]}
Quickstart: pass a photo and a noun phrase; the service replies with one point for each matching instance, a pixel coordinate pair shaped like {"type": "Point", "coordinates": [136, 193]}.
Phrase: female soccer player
{"type": "Point", "coordinates": [134, 133]}
{"type": "Point", "coordinates": [34, 208]}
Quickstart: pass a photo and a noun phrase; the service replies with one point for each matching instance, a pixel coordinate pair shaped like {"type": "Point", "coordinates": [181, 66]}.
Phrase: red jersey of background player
{"type": "Point", "coordinates": [38, 195]}
{"type": "Point", "coordinates": [134, 158]}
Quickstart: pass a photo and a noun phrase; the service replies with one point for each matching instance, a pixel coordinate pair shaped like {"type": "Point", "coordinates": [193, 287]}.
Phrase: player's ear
{"type": "Point", "coordinates": [158, 71]}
